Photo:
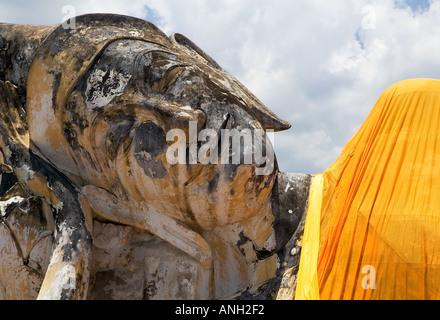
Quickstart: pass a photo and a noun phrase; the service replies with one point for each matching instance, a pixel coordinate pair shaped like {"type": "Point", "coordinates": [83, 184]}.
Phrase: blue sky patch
{"type": "Point", "coordinates": [153, 16]}
{"type": "Point", "coordinates": [415, 5]}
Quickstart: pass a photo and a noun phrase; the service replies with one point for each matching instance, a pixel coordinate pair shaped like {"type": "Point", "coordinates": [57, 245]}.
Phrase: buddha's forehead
{"type": "Point", "coordinates": [145, 67]}
{"type": "Point", "coordinates": [129, 69]}
{"type": "Point", "coordinates": [134, 56]}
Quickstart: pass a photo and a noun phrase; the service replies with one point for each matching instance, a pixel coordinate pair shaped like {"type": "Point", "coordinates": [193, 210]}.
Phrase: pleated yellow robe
{"type": "Point", "coordinates": [373, 223]}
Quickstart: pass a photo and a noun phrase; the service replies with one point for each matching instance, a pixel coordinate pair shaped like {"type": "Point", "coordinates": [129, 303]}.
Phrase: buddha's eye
{"type": "Point", "coordinates": [159, 69]}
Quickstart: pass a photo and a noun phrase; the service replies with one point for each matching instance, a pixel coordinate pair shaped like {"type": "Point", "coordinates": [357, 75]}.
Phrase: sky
{"type": "Point", "coordinates": [321, 65]}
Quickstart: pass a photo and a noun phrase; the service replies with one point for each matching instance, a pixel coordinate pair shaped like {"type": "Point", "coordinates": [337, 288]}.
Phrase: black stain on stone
{"type": "Point", "coordinates": [56, 86]}
{"type": "Point", "coordinates": [150, 290]}
{"type": "Point", "coordinates": [213, 183]}
{"type": "Point", "coordinates": [289, 202]}
{"type": "Point", "coordinates": [7, 181]}
{"type": "Point", "coordinates": [150, 142]}
{"type": "Point", "coordinates": [118, 133]}
{"type": "Point", "coordinates": [71, 136]}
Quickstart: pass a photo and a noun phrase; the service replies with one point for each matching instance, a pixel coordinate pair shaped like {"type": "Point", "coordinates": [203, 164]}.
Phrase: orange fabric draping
{"type": "Point", "coordinates": [378, 225]}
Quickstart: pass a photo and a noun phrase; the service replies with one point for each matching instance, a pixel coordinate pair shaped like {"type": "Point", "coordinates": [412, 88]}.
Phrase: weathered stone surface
{"type": "Point", "coordinates": [92, 207]}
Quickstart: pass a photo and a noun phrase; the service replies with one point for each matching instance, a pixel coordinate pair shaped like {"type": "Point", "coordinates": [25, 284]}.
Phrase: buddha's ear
{"type": "Point", "coordinates": [39, 178]}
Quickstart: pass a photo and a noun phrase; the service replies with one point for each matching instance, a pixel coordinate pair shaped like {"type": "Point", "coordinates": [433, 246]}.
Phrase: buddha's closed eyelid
{"type": "Point", "coordinates": [168, 79]}
{"type": "Point", "coordinates": [156, 58]}
{"type": "Point", "coordinates": [160, 69]}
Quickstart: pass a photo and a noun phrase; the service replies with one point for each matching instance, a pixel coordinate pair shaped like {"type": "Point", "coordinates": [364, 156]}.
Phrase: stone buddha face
{"type": "Point", "coordinates": [142, 104]}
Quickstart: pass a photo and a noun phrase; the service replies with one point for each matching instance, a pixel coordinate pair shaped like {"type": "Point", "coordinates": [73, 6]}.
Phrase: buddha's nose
{"type": "Point", "coordinates": [267, 119]}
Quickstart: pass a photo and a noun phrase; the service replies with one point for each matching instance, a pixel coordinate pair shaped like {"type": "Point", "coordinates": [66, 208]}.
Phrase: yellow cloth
{"type": "Point", "coordinates": [307, 275]}
{"type": "Point", "coordinates": [379, 226]}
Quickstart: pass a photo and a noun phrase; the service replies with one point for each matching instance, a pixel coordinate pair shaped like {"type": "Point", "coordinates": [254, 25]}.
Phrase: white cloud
{"type": "Point", "coordinates": [319, 64]}
{"type": "Point", "coordinates": [49, 12]}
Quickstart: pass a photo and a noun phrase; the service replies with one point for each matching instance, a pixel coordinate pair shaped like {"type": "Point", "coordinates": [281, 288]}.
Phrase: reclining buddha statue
{"type": "Point", "coordinates": [118, 180]}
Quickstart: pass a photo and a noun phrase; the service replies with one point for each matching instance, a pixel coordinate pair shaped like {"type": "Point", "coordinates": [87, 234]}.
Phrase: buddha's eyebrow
{"type": "Point", "coordinates": [173, 56]}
